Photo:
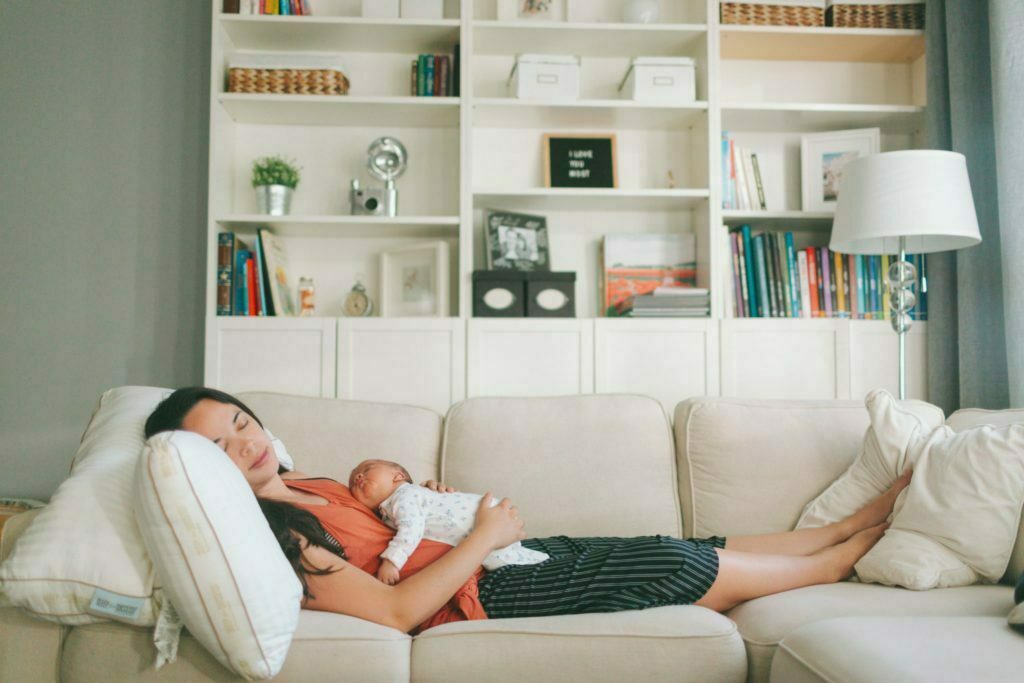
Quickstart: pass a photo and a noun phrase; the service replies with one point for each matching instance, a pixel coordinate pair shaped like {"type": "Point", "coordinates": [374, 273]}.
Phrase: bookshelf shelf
{"type": "Point", "coordinates": [585, 39]}
{"type": "Point", "coordinates": [350, 34]}
{"type": "Point", "coordinates": [780, 220]}
{"type": "Point", "coordinates": [824, 44]}
{"type": "Point", "coordinates": [556, 199]}
{"type": "Point", "coordinates": [507, 112]}
{"type": "Point", "coordinates": [816, 117]}
{"type": "Point", "coordinates": [345, 226]}
{"type": "Point", "coordinates": [345, 110]}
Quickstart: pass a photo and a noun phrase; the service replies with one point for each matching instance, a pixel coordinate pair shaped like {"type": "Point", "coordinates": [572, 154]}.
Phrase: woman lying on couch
{"type": "Point", "coordinates": [333, 543]}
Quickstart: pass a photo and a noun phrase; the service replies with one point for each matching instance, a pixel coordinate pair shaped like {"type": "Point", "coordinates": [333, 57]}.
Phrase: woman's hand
{"type": "Point", "coordinates": [499, 525]}
{"type": "Point", "coordinates": [438, 486]}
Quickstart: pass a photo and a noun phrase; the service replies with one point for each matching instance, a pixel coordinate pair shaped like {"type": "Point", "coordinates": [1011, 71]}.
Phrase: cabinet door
{"type": "Point", "coordinates": [530, 357]}
{"type": "Point", "coordinates": [416, 361]}
{"type": "Point", "coordinates": [670, 360]}
{"type": "Point", "coordinates": [874, 359]}
{"type": "Point", "coordinates": [287, 355]}
{"type": "Point", "coordinates": [785, 359]}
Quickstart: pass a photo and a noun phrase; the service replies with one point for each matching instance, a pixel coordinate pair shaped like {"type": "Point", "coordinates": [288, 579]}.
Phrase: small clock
{"type": "Point", "coordinates": [357, 304]}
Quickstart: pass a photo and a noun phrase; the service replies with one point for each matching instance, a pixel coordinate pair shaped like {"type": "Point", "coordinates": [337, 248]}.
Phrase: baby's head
{"type": "Point", "coordinates": [372, 481]}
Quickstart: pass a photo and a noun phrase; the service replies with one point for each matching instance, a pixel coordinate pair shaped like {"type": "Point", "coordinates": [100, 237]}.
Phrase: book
{"type": "Point", "coordinates": [264, 306]}
{"type": "Point", "coordinates": [778, 252]}
{"type": "Point", "coordinates": [847, 301]}
{"type": "Point", "coordinates": [276, 273]}
{"type": "Point", "coordinates": [827, 285]}
{"type": "Point", "coordinates": [785, 278]}
{"type": "Point", "coordinates": [851, 269]}
{"type": "Point", "coordinates": [428, 75]}
{"type": "Point", "coordinates": [744, 291]}
{"type": "Point", "coordinates": [819, 291]}
{"type": "Point", "coordinates": [414, 77]}
{"type": "Point", "coordinates": [637, 264]}
{"type": "Point", "coordinates": [456, 77]}
{"type": "Point", "coordinates": [230, 7]}
{"type": "Point", "coordinates": [741, 178]}
{"type": "Point", "coordinates": [421, 75]}
{"type": "Point", "coordinates": [794, 276]}
{"type": "Point", "coordinates": [438, 67]}
{"type": "Point", "coordinates": [805, 284]}
{"type": "Point", "coordinates": [240, 304]}
{"type": "Point", "coordinates": [253, 307]}
{"type": "Point", "coordinates": [737, 288]}
{"type": "Point", "coordinates": [862, 291]}
{"type": "Point", "coordinates": [922, 281]}
{"type": "Point", "coordinates": [225, 271]}
{"type": "Point", "coordinates": [886, 311]}
{"type": "Point", "coordinates": [764, 310]}
{"type": "Point", "coordinates": [755, 304]}
{"type": "Point", "coordinates": [748, 177]}
{"type": "Point", "coordinates": [728, 200]}
{"type": "Point", "coordinates": [442, 80]}
{"type": "Point", "coordinates": [837, 268]}
{"type": "Point", "coordinates": [770, 252]}
{"type": "Point", "coordinates": [757, 182]}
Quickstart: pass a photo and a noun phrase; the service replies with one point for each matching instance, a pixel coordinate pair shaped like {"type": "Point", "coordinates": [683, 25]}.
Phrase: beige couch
{"type": "Point", "coordinates": [594, 465]}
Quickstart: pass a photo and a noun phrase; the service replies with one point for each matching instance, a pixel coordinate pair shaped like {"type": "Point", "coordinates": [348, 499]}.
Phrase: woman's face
{"type": "Point", "coordinates": [239, 435]}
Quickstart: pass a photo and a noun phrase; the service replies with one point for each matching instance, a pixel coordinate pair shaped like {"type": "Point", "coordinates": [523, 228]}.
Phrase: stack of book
{"type": "Point", "coordinates": [252, 281]}
{"type": "Point", "coordinates": [742, 186]}
{"type": "Point", "coordinates": [276, 7]}
{"type": "Point", "coordinates": [672, 302]}
{"type": "Point", "coordinates": [435, 75]}
{"type": "Point", "coordinates": [771, 278]}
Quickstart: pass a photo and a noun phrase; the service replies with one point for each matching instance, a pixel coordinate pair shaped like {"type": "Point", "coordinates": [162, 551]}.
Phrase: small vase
{"type": "Point", "coordinates": [274, 200]}
{"type": "Point", "coordinates": [640, 11]}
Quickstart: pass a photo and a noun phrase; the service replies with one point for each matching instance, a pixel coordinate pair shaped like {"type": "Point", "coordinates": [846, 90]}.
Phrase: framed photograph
{"type": "Point", "coordinates": [414, 280]}
{"type": "Point", "coordinates": [579, 160]}
{"type": "Point", "coordinates": [516, 241]}
{"type": "Point", "coordinates": [822, 157]}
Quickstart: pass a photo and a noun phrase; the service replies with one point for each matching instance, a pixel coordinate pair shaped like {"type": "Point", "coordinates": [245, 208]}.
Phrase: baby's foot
{"type": "Point", "coordinates": [842, 557]}
{"type": "Point", "coordinates": [878, 510]}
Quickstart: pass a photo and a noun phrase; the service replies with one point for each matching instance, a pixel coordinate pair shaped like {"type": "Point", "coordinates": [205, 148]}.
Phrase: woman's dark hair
{"type": "Point", "coordinates": [286, 521]}
{"type": "Point", "coordinates": [171, 411]}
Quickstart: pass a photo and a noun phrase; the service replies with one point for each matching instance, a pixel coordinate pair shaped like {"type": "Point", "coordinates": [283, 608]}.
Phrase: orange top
{"type": "Point", "coordinates": [364, 537]}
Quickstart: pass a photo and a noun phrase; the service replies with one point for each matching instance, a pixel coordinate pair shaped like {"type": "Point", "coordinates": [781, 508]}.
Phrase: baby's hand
{"type": "Point", "coordinates": [388, 572]}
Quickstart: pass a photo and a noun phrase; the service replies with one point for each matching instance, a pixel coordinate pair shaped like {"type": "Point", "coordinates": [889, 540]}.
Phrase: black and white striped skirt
{"type": "Point", "coordinates": [600, 574]}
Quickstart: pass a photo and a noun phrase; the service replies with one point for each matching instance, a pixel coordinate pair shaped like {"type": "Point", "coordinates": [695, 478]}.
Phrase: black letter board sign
{"type": "Point", "coordinates": [579, 161]}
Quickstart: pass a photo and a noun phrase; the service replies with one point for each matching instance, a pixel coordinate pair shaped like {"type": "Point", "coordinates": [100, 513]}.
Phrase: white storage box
{"type": "Point", "coordinates": [546, 77]}
{"type": "Point", "coordinates": [665, 80]}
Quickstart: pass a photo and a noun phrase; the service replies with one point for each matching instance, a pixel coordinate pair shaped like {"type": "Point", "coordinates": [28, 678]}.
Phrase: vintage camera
{"type": "Point", "coordinates": [372, 201]}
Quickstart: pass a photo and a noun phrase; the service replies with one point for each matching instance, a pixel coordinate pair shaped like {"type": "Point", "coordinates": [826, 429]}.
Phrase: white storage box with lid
{"type": "Point", "coordinates": [546, 77]}
{"type": "Point", "coordinates": [665, 80]}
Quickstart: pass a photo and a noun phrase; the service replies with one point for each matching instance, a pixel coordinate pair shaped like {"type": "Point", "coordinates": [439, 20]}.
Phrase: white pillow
{"type": "Point", "coordinates": [881, 461]}
{"type": "Point", "coordinates": [957, 521]}
{"type": "Point", "coordinates": [215, 554]}
{"type": "Point", "coordinates": [82, 559]}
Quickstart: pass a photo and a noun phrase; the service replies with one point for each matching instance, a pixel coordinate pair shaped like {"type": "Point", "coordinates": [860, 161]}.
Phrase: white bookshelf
{"type": "Point", "coordinates": [766, 86]}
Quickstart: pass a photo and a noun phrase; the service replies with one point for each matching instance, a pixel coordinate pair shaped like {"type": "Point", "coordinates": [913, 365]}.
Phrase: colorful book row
{"type": "Point", "coordinates": [282, 8]}
{"type": "Point", "coordinates": [435, 75]}
{"type": "Point", "coordinates": [252, 282]}
{"type": "Point", "coordinates": [742, 185]}
{"type": "Point", "coordinates": [774, 279]}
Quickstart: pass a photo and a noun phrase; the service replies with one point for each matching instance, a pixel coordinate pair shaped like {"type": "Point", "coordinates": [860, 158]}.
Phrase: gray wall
{"type": "Point", "coordinates": [103, 176]}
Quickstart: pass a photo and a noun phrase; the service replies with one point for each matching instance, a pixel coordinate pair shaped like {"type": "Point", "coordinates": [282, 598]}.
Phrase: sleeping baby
{"type": "Point", "coordinates": [416, 512]}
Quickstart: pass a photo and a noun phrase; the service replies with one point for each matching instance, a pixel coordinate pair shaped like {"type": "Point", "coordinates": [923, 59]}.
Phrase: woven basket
{"type": "Point", "coordinates": [771, 15]}
{"type": "Point", "coordinates": [287, 81]}
{"type": "Point", "coordinates": [876, 16]}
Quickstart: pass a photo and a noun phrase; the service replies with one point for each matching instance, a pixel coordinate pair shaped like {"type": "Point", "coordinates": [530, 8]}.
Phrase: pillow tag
{"type": "Point", "coordinates": [116, 606]}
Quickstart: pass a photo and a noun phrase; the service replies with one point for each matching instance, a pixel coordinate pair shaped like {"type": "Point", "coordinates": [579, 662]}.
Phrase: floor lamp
{"type": "Point", "coordinates": [917, 201]}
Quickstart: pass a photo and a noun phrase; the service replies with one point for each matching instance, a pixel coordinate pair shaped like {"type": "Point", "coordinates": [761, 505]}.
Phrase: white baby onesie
{"type": "Point", "coordinates": [416, 512]}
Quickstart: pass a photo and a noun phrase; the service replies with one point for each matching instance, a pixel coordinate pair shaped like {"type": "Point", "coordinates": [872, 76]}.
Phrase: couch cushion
{"type": "Point", "coordinates": [596, 465]}
{"type": "Point", "coordinates": [662, 644]}
{"type": "Point", "coordinates": [328, 437]}
{"type": "Point", "coordinates": [29, 647]}
{"type": "Point", "coordinates": [764, 622]}
{"type": "Point", "coordinates": [749, 466]}
{"type": "Point", "coordinates": [908, 649]}
{"type": "Point", "coordinates": [326, 647]}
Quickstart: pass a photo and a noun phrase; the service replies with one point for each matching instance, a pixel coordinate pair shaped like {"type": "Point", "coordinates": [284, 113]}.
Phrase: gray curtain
{"type": "Point", "coordinates": [975, 63]}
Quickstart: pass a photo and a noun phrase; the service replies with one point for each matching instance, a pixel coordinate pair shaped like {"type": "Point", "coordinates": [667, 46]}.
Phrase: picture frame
{"type": "Point", "coordinates": [822, 157]}
{"type": "Point", "coordinates": [414, 280]}
{"type": "Point", "coordinates": [580, 160]}
{"type": "Point", "coordinates": [516, 241]}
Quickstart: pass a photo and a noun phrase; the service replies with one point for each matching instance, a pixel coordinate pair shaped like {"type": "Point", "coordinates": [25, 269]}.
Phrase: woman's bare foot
{"type": "Point", "coordinates": [841, 558]}
{"type": "Point", "coordinates": [878, 510]}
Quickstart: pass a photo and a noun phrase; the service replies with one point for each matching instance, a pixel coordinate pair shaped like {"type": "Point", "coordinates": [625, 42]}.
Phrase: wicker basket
{"type": "Point", "coordinates": [773, 13]}
{"type": "Point", "coordinates": [892, 15]}
{"type": "Point", "coordinates": [287, 81]}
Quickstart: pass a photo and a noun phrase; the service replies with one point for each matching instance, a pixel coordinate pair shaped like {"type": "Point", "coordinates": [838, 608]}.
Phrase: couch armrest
{"type": "Point", "coordinates": [14, 527]}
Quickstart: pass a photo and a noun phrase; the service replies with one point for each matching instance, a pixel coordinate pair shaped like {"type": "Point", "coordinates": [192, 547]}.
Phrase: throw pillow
{"type": "Point", "coordinates": [215, 555]}
{"type": "Point", "coordinates": [881, 461]}
{"type": "Point", "coordinates": [956, 523]}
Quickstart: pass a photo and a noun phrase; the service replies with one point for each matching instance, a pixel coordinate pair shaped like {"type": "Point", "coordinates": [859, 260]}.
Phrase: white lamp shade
{"type": "Point", "coordinates": [923, 195]}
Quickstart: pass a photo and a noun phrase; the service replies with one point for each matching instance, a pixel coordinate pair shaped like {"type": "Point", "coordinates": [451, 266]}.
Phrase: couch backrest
{"type": "Point", "coordinates": [328, 437]}
{"type": "Point", "coordinates": [749, 466]}
{"type": "Point", "coordinates": [590, 465]}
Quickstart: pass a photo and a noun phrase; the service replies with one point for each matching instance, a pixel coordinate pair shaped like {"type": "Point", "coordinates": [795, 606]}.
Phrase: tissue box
{"type": "Point", "coordinates": [547, 77]}
{"type": "Point", "coordinates": [873, 14]}
{"type": "Point", "coordinates": [664, 80]}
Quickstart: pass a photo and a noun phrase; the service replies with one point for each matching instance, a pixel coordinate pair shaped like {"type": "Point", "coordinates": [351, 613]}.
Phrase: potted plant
{"type": "Point", "coordinates": [274, 179]}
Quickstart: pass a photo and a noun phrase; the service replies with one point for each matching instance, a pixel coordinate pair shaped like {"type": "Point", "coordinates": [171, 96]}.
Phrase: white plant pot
{"type": "Point", "coordinates": [274, 200]}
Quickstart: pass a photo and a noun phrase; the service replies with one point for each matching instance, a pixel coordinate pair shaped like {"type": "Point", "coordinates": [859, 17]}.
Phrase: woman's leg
{"type": "Point", "coordinates": [810, 541]}
{"type": "Point", "coordinates": [744, 576]}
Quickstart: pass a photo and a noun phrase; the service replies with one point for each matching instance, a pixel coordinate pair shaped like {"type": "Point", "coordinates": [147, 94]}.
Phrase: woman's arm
{"type": "Point", "coordinates": [404, 606]}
